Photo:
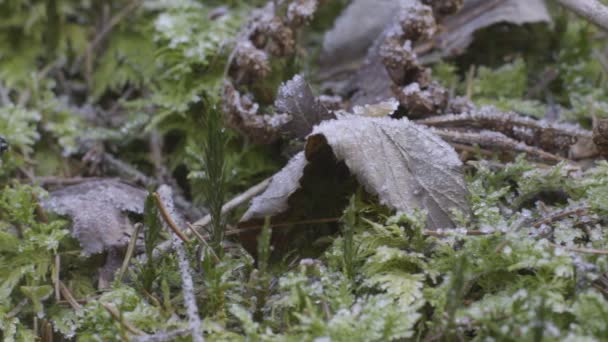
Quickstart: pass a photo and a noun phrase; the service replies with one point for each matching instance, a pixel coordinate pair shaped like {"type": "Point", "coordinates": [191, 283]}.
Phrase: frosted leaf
{"type": "Point", "coordinates": [98, 210]}
{"type": "Point", "coordinates": [282, 185]}
{"type": "Point", "coordinates": [295, 98]}
{"type": "Point", "coordinates": [404, 164]}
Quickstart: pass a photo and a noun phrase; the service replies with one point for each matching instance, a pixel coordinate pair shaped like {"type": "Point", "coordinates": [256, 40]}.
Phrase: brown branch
{"type": "Point", "coordinates": [163, 212]}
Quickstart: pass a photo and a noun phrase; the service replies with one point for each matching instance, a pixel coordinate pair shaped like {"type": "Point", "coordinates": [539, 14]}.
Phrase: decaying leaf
{"type": "Point", "coordinates": [415, 168]}
{"type": "Point", "coordinates": [297, 111]}
{"type": "Point", "coordinates": [345, 46]}
{"type": "Point", "coordinates": [477, 14]}
{"type": "Point", "coordinates": [295, 98]}
{"type": "Point", "coordinates": [98, 210]}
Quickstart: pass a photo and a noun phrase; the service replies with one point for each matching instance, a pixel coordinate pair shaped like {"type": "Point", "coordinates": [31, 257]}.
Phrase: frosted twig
{"type": "Point", "coordinates": [490, 139]}
{"type": "Point", "coordinates": [489, 117]}
{"type": "Point", "coordinates": [581, 250]}
{"type": "Point", "coordinates": [592, 10]}
{"type": "Point", "coordinates": [235, 202]}
{"type": "Point", "coordinates": [557, 215]}
{"type": "Point", "coordinates": [164, 192]}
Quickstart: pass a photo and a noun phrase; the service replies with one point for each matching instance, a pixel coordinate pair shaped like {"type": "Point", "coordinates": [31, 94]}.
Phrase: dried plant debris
{"type": "Point", "coordinates": [351, 45]}
{"type": "Point", "coordinates": [418, 169]}
{"type": "Point", "coordinates": [497, 141]}
{"type": "Point", "coordinates": [355, 30]}
{"type": "Point", "coordinates": [270, 34]}
{"type": "Point", "coordinates": [296, 112]}
{"type": "Point", "coordinates": [549, 136]}
{"type": "Point", "coordinates": [295, 99]}
{"type": "Point", "coordinates": [459, 29]}
{"type": "Point", "coordinates": [241, 113]}
{"type": "Point", "coordinates": [600, 136]}
{"type": "Point", "coordinates": [99, 212]}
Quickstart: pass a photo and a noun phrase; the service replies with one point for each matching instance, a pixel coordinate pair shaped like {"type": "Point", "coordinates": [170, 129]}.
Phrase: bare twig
{"type": "Point", "coordinates": [67, 294]}
{"type": "Point", "coordinates": [130, 250]}
{"type": "Point", "coordinates": [117, 317]}
{"type": "Point", "coordinates": [56, 279]}
{"type": "Point", "coordinates": [235, 202]}
{"type": "Point", "coordinates": [168, 219]}
{"type": "Point", "coordinates": [592, 10]}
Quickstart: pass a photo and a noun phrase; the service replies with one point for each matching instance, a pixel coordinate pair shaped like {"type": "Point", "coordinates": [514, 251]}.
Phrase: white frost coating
{"type": "Point", "coordinates": [411, 88]}
{"type": "Point", "coordinates": [283, 184]}
{"type": "Point", "coordinates": [97, 211]}
{"type": "Point", "coordinates": [166, 194]}
{"type": "Point", "coordinates": [404, 164]}
{"type": "Point", "coordinates": [384, 108]}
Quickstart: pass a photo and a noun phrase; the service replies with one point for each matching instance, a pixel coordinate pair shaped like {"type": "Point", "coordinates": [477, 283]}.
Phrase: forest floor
{"type": "Point", "coordinates": [304, 170]}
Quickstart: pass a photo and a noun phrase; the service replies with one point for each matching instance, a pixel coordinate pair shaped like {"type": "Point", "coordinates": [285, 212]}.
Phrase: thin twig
{"type": "Point", "coordinates": [592, 10]}
{"type": "Point", "coordinates": [168, 219]}
{"type": "Point", "coordinates": [235, 202]}
{"type": "Point", "coordinates": [581, 250]}
{"type": "Point", "coordinates": [130, 250]}
{"type": "Point", "coordinates": [489, 139]}
{"type": "Point", "coordinates": [554, 216]}
{"type": "Point", "coordinates": [56, 277]}
{"type": "Point", "coordinates": [67, 294]}
{"type": "Point", "coordinates": [203, 240]}
{"type": "Point", "coordinates": [17, 309]}
{"type": "Point", "coordinates": [118, 318]}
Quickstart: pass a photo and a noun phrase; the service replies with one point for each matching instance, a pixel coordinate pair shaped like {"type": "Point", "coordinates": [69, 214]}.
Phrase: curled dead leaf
{"type": "Point", "coordinates": [404, 164]}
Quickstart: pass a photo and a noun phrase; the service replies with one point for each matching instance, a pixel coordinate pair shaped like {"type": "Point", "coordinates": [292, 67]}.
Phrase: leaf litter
{"type": "Point", "coordinates": [404, 164]}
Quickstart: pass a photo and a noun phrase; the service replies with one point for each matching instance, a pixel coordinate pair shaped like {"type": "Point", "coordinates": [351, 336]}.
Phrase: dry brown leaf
{"type": "Point", "coordinates": [404, 164]}
{"type": "Point", "coordinates": [98, 210]}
